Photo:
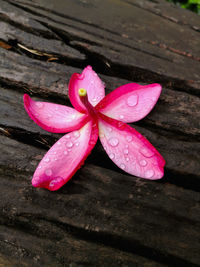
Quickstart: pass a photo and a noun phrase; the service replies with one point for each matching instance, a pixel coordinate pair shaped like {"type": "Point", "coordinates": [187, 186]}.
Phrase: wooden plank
{"type": "Point", "coordinates": [153, 49]}
{"type": "Point", "coordinates": [102, 217]}
{"type": "Point", "coordinates": [98, 210]}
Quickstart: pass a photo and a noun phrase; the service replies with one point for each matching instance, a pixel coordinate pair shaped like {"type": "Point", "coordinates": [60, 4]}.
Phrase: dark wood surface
{"type": "Point", "coordinates": [103, 216]}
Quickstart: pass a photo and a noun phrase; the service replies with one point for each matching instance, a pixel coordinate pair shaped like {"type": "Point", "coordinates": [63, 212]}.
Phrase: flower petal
{"type": "Point", "coordinates": [65, 157]}
{"type": "Point", "coordinates": [129, 150]}
{"type": "Point", "coordinates": [130, 102]}
{"type": "Point", "coordinates": [90, 81]}
{"type": "Point", "coordinates": [53, 117]}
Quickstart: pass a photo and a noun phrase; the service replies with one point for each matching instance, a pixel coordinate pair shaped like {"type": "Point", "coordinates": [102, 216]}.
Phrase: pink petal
{"type": "Point", "coordinates": [65, 157]}
{"type": "Point", "coordinates": [89, 81]}
{"type": "Point", "coordinates": [129, 150]}
{"type": "Point", "coordinates": [130, 102]}
{"type": "Point", "coordinates": [53, 117]}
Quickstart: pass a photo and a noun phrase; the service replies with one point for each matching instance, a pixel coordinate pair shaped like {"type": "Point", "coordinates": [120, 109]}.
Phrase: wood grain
{"type": "Point", "coordinates": [103, 216]}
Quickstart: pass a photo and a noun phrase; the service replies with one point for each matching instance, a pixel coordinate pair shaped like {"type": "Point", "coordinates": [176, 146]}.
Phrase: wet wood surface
{"type": "Point", "coordinates": [103, 216]}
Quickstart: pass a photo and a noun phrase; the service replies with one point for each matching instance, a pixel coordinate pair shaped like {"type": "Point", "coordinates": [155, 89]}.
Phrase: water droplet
{"type": "Point", "coordinates": [39, 167]}
{"type": "Point", "coordinates": [39, 104]}
{"type": "Point", "coordinates": [65, 152]}
{"type": "Point", "coordinates": [149, 173]}
{"type": "Point", "coordinates": [69, 149]}
{"type": "Point", "coordinates": [126, 151]}
{"type": "Point", "coordinates": [112, 155]}
{"type": "Point", "coordinates": [58, 143]}
{"type": "Point", "coordinates": [48, 172]}
{"type": "Point", "coordinates": [122, 166]}
{"type": "Point", "coordinates": [69, 144]}
{"type": "Point", "coordinates": [46, 159]}
{"type": "Point", "coordinates": [55, 159]}
{"type": "Point", "coordinates": [126, 146]}
{"type": "Point", "coordinates": [121, 117]}
{"type": "Point", "coordinates": [54, 152]}
{"type": "Point", "coordinates": [109, 129]}
{"type": "Point", "coordinates": [132, 100]}
{"type": "Point", "coordinates": [147, 152]}
{"type": "Point", "coordinates": [127, 159]}
{"type": "Point", "coordinates": [113, 141]}
{"type": "Point", "coordinates": [121, 125]}
{"type": "Point", "coordinates": [56, 183]}
{"type": "Point", "coordinates": [143, 162]}
{"type": "Point", "coordinates": [94, 99]}
{"type": "Point", "coordinates": [77, 144]}
{"type": "Point", "coordinates": [129, 138]}
{"type": "Point", "coordinates": [76, 134]}
{"type": "Point", "coordinates": [67, 136]}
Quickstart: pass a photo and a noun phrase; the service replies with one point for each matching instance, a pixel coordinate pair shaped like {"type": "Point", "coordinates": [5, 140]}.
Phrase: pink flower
{"type": "Point", "coordinates": [96, 114]}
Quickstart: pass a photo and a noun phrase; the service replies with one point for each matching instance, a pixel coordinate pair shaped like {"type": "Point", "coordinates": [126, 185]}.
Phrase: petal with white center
{"type": "Point", "coordinates": [65, 157]}
{"type": "Point", "coordinates": [130, 102]}
{"type": "Point", "coordinates": [129, 150]}
{"type": "Point", "coordinates": [54, 118]}
{"type": "Point", "coordinates": [90, 81]}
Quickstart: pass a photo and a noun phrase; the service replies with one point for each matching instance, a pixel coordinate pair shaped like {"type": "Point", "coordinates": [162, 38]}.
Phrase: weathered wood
{"type": "Point", "coordinates": [123, 212]}
{"type": "Point", "coordinates": [123, 38]}
{"type": "Point", "coordinates": [103, 216]}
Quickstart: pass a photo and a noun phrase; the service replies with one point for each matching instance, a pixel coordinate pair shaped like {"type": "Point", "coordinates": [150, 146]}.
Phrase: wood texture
{"type": "Point", "coordinates": [102, 217]}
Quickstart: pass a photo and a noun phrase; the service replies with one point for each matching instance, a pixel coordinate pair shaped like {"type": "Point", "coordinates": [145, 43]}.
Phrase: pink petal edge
{"type": "Point", "coordinates": [54, 118]}
{"type": "Point", "coordinates": [90, 81]}
{"type": "Point", "coordinates": [65, 157]}
{"type": "Point", "coordinates": [129, 150]}
{"type": "Point", "coordinates": [130, 102]}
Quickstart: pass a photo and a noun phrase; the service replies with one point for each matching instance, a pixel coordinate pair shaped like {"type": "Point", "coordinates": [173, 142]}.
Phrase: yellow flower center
{"type": "Point", "coordinates": [82, 92]}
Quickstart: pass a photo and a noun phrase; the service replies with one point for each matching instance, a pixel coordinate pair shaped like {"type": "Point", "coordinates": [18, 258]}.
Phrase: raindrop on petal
{"type": "Point", "coordinates": [113, 141]}
{"type": "Point", "coordinates": [112, 155]}
{"type": "Point", "coordinates": [129, 138]}
{"type": "Point", "coordinates": [109, 129]}
{"type": "Point", "coordinates": [121, 125]}
{"type": "Point", "coordinates": [143, 162]}
{"type": "Point", "coordinates": [76, 134]}
{"type": "Point", "coordinates": [149, 173]}
{"type": "Point", "coordinates": [48, 172]}
{"type": "Point", "coordinates": [46, 159]}
{"type": "Point", "coordinates": [122, 166]}
{"type": "Point", "coordinates": [147, 152]}
{"type": "Point", "coordinates": [65, 152]}
{"type": "Point", "coordinates": [56, 181]}
{"type": "Point", "coordinates": [132, 100]}
{"type": "Point", "coordinates": [121, 117]}
{"type": "Point", "coordinates": [69, 144]}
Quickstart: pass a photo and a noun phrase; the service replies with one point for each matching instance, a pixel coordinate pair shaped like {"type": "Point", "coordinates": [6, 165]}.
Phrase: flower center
{"type": "Point", "coordinates": [82, 92]}
{"type": "Point", "coordinates": [84, 99]}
